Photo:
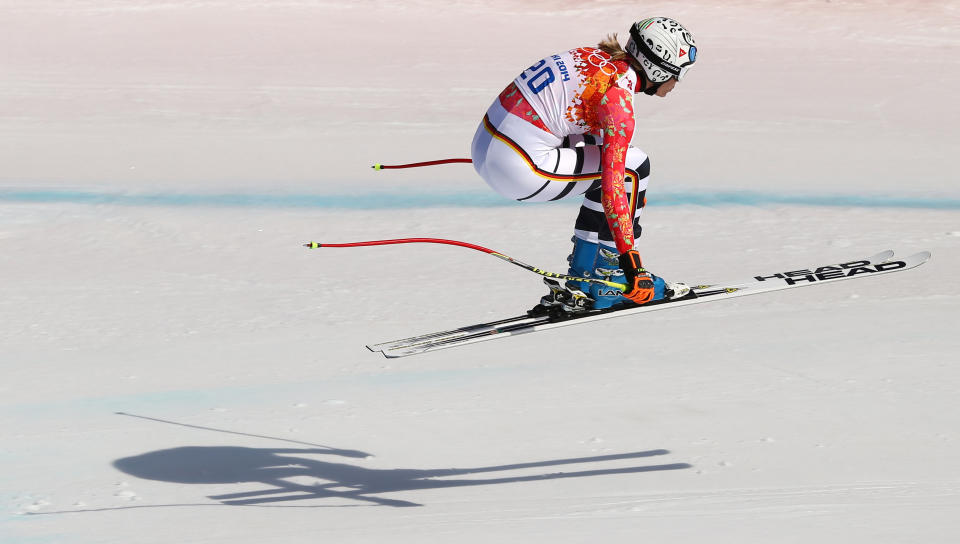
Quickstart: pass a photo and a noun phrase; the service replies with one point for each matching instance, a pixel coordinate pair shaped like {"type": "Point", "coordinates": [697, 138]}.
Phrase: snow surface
{"type": "Point", "coordinates": [179, 369]}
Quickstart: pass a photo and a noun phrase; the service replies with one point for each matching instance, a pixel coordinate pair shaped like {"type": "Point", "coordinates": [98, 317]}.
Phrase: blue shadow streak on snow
{"type": "Point", "coordinates": [462, 199]}
{"type": "Point", "coordinates": [205, 398]}
{"type": "Point", "coordinates": [372, 201]}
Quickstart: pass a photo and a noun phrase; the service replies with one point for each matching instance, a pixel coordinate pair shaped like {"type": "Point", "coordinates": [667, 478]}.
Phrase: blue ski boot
{"type": "Point", "coordinates": [582, 261]}
{"type": "Point", "coordinates": [572, 295]}
{"type": "Point", "coordinates": [608, 268]}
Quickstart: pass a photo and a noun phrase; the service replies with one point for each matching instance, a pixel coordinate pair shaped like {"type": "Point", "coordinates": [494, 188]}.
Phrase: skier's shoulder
{"type": "Point", "coordinates": [628, 80]}
{"type": "Point", "coordinates": [596, 61]}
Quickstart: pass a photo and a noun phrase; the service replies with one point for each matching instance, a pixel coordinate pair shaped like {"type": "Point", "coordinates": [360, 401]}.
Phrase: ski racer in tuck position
{"type": "Point", "coordinates": [563, 128]}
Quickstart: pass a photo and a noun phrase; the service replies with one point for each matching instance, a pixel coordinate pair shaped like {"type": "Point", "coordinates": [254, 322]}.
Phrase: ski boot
{"type": "Point", "coordinates": [571, 297]}
{"type": "Point", "coordinates": [608, 268]}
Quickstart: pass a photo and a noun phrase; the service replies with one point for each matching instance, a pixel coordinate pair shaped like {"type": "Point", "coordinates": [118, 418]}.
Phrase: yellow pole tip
{"type": "Point", "coordinates": [377, 167]}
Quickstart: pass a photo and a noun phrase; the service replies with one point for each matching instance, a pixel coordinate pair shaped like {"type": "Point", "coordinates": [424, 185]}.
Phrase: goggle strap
{"type": "Point", "coordinates": [645, 50]}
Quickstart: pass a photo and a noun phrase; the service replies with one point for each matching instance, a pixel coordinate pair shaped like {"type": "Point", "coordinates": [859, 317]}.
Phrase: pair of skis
{"type": "Point", "coordinates": [881, 263]}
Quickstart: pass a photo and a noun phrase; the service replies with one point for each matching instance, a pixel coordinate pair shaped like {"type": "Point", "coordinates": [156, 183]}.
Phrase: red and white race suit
{"type": "Point", "coordinates": [563, 127]}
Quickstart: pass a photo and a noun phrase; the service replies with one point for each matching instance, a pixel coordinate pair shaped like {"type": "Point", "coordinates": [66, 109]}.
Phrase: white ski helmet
{"type": "Point", "coordinates": [663, 47]}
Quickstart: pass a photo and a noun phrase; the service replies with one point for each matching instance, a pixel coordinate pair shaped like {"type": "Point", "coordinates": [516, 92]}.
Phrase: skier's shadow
{"type": "Point", "coordinates": [274, 468]}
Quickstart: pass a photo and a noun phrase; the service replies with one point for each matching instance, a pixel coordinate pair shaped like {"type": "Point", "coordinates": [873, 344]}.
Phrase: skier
{"type": "Point", "coordinates": [563, 128]}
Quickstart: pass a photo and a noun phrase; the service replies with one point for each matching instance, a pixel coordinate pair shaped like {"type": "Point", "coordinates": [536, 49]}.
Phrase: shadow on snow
{"type": "Point", "coordinates": [274, 468]}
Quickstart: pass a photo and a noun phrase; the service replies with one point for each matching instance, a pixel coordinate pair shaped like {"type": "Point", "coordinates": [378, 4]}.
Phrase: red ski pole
{"type": "Point", "coordinates": [379, 166]}
{"type": "Point", "coordinates": [497, 254]}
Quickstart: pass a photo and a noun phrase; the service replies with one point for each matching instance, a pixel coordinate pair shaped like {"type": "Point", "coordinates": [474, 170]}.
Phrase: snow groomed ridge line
{"type": "Point", "coordinates": [463, 199]}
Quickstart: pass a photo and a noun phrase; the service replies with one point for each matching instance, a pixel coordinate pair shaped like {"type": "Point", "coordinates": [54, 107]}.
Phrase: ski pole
{"type": "Point", "coordinates": [535, 270]}
{"type": "Point", "coordinates": [379, 166]}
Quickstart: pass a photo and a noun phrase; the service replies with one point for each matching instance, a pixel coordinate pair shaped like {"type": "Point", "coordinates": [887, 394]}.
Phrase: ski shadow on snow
{"type": "Point", "coordinates": [274, 468]}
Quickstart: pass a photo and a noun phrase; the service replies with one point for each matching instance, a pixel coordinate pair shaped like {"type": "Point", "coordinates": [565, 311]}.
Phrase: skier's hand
{"type": "Point", "coordinates": [640, 287]}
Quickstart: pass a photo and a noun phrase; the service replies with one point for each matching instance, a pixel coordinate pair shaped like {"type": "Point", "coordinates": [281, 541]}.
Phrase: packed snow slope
{"type": "Point", "coordinates": [178, 368]}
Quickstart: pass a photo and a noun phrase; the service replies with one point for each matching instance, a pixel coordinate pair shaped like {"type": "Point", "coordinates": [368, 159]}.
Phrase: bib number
{"type": "Point", "coordinates": [538, 76]}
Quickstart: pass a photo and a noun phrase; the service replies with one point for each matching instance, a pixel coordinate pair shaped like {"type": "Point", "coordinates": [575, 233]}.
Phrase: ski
{"type": "Point", "coordinates": [526, 319]}
{"type": "Point", "coordinates": [881, 263]}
